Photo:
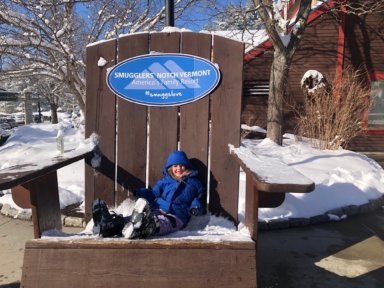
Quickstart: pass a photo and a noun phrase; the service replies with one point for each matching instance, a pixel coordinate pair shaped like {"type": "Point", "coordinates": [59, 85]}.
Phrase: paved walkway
{"type": "Point", "coordinates": [345, 254]}
{"type": "Point", "coordinates": [13, 235]}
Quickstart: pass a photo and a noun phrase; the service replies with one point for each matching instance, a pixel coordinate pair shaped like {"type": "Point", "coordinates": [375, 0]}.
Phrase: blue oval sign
{"type": "Point", "coordinates": [163, 79]}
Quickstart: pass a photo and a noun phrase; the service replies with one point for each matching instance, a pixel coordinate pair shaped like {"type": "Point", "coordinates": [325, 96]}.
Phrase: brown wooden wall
{"type": "Point", "coordinates": [254, 107]}
{"type": "Point", "coordinates": [318, 51]}
{"type": "Point", "coordinates": [364, 42]}
{"type": "Point", "coordinates": [364, 48]}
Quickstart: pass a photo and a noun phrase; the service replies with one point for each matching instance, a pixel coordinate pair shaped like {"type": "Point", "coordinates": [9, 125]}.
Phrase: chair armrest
{"type": "Point", "coordinates": [34, 183]}
{"type": "Point", "coordinates": [16, 175]}
{"type": "Point", "coordinates": [271, 174]}
{"type": "Point", "coordinates": [25, 168]}
{"type": "Point", "coordinates": [267, 181]}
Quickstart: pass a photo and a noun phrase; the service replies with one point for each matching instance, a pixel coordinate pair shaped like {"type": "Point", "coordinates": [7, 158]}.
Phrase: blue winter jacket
{"type": "Point", "coordinates": [173, 196]}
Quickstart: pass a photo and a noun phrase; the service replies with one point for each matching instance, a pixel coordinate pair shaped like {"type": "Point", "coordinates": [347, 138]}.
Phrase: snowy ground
{"type": "Point", "coordinates": [342, 177]}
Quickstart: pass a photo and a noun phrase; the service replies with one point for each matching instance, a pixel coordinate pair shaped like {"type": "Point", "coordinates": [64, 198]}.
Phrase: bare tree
{"type": "Point", "coordinates": [285, 35]}
{"type": "Point", "coordinates": [276, 26]}
{"type": "Point", "coordinates": [53, 93]}
{"type": "Point", "coordinates": [234, 17]}
{"type": "Point", "coordinates": [325, 120]}
{"type": "Point", "coordinates": [48, 38]}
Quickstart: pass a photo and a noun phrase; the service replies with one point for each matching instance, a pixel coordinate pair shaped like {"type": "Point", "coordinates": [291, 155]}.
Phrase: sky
{"type": "Point", "coordinates": [342, 177]}
{"type": "Point", "coordinates": [195, 19]}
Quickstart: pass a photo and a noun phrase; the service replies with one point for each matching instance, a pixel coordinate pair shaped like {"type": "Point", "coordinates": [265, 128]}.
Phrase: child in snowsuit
{"type": "Point", "coordinates": [168, 206]}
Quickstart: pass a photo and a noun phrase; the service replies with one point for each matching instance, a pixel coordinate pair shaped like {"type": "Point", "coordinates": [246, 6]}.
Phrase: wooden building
{"type": "Point", "coordinates": [329, 45]}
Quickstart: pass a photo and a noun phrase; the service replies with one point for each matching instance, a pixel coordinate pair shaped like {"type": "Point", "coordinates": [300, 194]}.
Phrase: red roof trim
{"type": "Point", "coordinates": [374, 131]}
{"type": "Point", "coordinates": [257, 51]}
{"type": "Point", "coordinates": [340, 48]}
{"type": "Point", "coordinates": [260, 49]}
{"type": "Point", "coordinates": [376, 76]}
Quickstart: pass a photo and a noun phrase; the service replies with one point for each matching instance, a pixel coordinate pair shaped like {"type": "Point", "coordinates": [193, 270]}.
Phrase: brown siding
{"type": "Point", "coordinates": [371, 145]}
{"type": "Point", "coordinates": [254, 107]}
{"type": "Point", "coordinates": [318, 51]}
{"type": "Point", "coordinates": [364, 41]}
{"type": "Point", "coordinates": [368, 143]}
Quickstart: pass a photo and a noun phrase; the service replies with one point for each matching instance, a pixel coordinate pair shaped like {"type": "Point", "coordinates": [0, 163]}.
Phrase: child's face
{"type": "Point", "coordinates": [178, 170]}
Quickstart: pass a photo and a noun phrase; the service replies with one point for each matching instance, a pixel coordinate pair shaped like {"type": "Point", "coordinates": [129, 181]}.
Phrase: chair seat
{"type": "Point", "coordinates": [207, 228]}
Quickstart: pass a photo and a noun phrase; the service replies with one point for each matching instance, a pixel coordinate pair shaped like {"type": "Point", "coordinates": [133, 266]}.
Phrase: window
{"type": "Point", "coordinates": [376, 113]}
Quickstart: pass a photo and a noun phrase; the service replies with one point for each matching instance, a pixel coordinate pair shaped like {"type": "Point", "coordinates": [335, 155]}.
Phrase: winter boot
{"type": "Point", "coordinates": [99, 210]}
{"type": "Point", "coordinates": [106, 224]}
{"type": "Point", "coordinates": [139, 216]}
{"type": "Point", "coordinates": [148, 228]}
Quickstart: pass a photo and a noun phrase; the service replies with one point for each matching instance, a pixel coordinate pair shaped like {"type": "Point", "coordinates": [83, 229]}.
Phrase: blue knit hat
{"type": "Point", "coordinates": [178, 157]}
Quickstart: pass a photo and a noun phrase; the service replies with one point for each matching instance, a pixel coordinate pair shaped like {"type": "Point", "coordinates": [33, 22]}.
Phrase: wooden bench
{"type": "Point", "coordinates": [134, 141]}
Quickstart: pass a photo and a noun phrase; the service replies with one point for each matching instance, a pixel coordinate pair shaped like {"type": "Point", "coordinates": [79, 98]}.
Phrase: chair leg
{"type": "Point", "coordinates": [42, 196]}
{"type": "Point", "coordinates": [251, 207]}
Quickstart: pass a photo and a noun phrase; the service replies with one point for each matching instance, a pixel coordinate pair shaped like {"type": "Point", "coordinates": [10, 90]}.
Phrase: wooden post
{"type": "Point", "coordinates": [251, 207]}
{"type": "Point", "coordinates": [42, 196]}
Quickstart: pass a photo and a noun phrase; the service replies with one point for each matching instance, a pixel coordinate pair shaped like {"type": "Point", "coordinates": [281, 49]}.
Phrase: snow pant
{"type": "Point", "coordinates": [168, 223]}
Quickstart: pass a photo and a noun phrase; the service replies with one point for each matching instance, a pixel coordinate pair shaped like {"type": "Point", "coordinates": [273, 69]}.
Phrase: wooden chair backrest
{"type": "Point", "coordinates": [135, 140]}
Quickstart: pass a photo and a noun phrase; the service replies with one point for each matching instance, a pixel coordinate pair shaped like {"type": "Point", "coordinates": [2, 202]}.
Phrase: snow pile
{"type": "Point", "coordinates": [37, 144]}
{"type": "Point", "coordinates": [341, 177]}
{"type": "Point", "coordinates": [269, 168]}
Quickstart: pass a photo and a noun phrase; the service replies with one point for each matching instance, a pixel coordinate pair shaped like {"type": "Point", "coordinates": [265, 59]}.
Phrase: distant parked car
{"type": "Point", "coordinates": [11, 122]}
{"type": "Point", "coordinates": [5, 125]}
{"type": "Point", "coordinates": [19, 118]}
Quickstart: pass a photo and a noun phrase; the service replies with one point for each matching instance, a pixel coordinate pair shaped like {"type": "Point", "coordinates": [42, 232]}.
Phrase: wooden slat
{"type": "Point", "coordinates": [163, 122]}
{"type": "Point", "coordinates": [132, 127]}
{"type": "Point", "coordinates": [113, 243]}
{"type": "Point", "coordinates": [194, 117]}
{"type": "Point", "coordinates": [146, 266]}
{"type": "Point", "coordinates": [225, 111]}
{"type": "Point", "coordinates": [100, 118]}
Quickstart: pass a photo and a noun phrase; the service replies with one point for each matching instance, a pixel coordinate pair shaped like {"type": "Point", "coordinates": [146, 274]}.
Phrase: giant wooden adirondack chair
{"type": "Point", "coordinates": [134, 141]}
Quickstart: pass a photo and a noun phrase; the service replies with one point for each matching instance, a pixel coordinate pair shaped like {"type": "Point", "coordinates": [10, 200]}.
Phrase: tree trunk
{"type": "Point", "coordinates": [54, 118]}
{"type": "Point", "coordinates": [277, 83]}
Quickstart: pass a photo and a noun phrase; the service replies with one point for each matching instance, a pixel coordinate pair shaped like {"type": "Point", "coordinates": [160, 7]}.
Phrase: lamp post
{"type": "Point", "coordinates": [169, 13]}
